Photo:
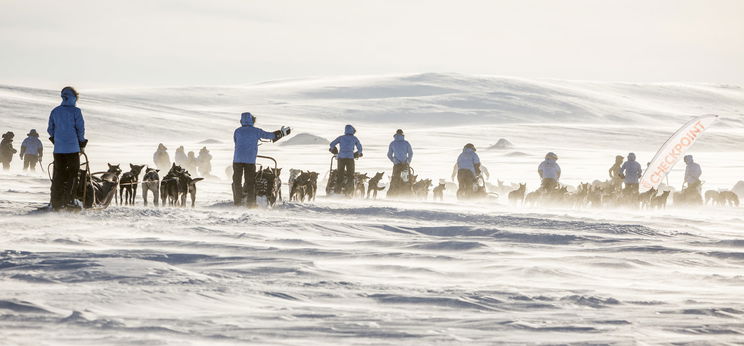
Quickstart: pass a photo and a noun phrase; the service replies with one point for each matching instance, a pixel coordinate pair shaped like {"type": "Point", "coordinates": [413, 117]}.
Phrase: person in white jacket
{"type": "Point", "coordinates": [550, 172]}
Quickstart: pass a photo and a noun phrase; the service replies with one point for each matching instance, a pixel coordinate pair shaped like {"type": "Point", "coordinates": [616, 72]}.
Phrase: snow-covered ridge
{"type": "Point", "coordinates": [420, 99]}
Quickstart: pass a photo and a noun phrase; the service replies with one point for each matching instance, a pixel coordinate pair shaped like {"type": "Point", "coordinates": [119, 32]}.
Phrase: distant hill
{"type": "Point", "coordinates": [305, 139]}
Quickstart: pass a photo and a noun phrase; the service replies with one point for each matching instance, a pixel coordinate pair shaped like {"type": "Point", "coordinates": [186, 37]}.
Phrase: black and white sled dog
{"type": "Point", "coordinates": [151, 182]}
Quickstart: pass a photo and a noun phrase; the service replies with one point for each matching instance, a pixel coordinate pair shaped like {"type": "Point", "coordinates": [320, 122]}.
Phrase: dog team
{"type": "Point", "coordinates": [66, 128]}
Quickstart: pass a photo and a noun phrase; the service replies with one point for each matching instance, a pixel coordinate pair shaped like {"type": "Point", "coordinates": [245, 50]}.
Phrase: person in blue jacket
{"type": "Point", "coordinates": [346, 155]}
{"type": "Point", "coordinates": [67, 132]}
{"type": "Point", "coordinates": [468, 167]}
{"type": "Point", "coordinates": [246, 139]}
{"type": "Point", "coordinates": [631, 172]}
{"type": "Point", "coordinates": [400, 154]}
{"type": "Point", "coordinates": [31, 150]}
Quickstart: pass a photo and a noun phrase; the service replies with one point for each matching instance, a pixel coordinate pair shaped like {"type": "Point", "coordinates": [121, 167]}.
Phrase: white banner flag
{"type": "Point", "coordinates": [673, 150]}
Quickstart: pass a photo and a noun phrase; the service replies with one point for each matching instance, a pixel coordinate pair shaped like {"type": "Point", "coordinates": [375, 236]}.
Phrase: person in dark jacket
{"type": "Point", "coordinates": [6, 150]}
{"type": "Point", "coordinates": [67, 132]}
{"type": "Point", "coordinates": [31, 151]}
{"type": "Point", "coordinates": [204, 162]}
{"type": "Point", "coordinates": [400, 154]}
{"type": "Point", "coordinates": [616, 179]}
{"type": "Point", "coordinates": [346, 155]}
{"type": "Point", "coordinates": [246, 139]}
{"type": "Point", "coordinates": [180, 157]}
{"type": "Point", "coordinates": [161, 158]}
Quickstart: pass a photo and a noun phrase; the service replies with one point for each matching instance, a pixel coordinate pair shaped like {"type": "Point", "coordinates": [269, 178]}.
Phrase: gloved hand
{"type": "Point", "coordinates": [51, 139]}
{"type": "Point", "coordinates": [83, 143]}
{"type": "Point", "coordinates": [357, 155]}
{"type": "Point", "coordinates": [281, 133]}
{"type": "Point", "coordinates": [333, 151]}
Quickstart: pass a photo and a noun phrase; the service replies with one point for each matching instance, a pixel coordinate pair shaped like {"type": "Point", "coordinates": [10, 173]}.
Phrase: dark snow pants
{"type": "Point", "coordinates": [396, 181]}
{"type": "Point", "coordinates": [345, 176]}
{"type": "Point", "coordinates": [29, 161]}
{"type": "Point", "coordinates": [244, 179]}
{"type": "Point", "coordinates": [66, 168]}
{"type": "Point", "coordinates": [465, 181]}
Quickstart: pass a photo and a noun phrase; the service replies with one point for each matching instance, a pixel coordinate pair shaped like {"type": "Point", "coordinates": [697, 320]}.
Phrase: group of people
{"type": "Point", "coordinates": [629, 174]}
{"type": "Point", "coordinates": [31, 153]}
{"type": "Point", "coordinates": [66, 129]}
{"type": "Point", "coordinates": [201, 164]}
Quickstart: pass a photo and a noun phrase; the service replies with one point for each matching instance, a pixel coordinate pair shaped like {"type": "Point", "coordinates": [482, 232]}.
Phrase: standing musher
{"type": "Point", "coordinates": [616, 179]}
{"type": "Point", "coordinates": [692, 174]}
{"type": "Point", "coordinates": [631, 172]}
{"type": "Point", "coordinates": [31, 151]}
{"type": "Point", "coordinates": [468, 167]}
{"type": "Point", "coordinates": [550, 172]}
{"type": "Point", "coordinates": [400, 154]}
{"type": "Point", "coordinates": [346, 155]}
{"type": "Point", "coordinates": [246, 139]}
{"type": "Point", "coordinates": [67, 132]}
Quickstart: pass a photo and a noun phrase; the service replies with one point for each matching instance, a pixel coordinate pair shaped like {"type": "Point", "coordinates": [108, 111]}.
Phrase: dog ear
{"type": "Point", "coordinates": [109, 164]}
{"type": "Point", "coordinates": [157, 170]}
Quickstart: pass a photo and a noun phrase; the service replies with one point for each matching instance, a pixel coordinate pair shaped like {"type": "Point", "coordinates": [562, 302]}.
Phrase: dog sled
{"type": "Point", "coordinates": [402, 186]}
{"type": "Point", "coordinates": [268, 182]}
{"type": "Point", "coordinates": [89, 190]}
{"type": "Point", "coordinates": [349, 189]}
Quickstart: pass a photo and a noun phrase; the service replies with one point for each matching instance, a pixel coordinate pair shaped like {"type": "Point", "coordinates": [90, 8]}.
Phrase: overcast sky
{"type": "Point", "coordinates": [94, 43]}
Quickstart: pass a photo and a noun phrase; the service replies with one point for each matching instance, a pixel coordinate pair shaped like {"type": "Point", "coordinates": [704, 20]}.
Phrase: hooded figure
{"type": "Point", "coordinates": [692, 172]}
{"type": "Point", "coordinates": [549, 171]}
{"type": "Point", "coordinates": [399, 150]}
{"type": "Point", "coordinates": [631, 173]}
{"type": "Point", "coordinates": [346, 156]}
{"type": "Point", "coordinates": [204, 162]}
{"type": "Point", "coordinates": [67, 132]}
{"type": "Point", "coordinates": [180, 156]}
{"type": "Point", "coordinates": [468, 167]}
{"type": "Point", "coordinates": [31, 150]}
{"type": "Point", "coordinates": [191, 162]}
{"type": "Point", "coordinates": [400, 154]}
{"type": "Point", "coordinates": [6, 149]}
{"type": "Point", "coordinates": [246, 139]}
{"type": "Point", "coordinates": [161, 158]}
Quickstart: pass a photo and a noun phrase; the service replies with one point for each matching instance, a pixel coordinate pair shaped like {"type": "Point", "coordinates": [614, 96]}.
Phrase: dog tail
{"type": "Point", "coordinates": [196, 180]}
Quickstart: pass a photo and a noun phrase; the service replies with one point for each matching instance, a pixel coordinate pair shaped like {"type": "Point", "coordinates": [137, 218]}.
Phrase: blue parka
{"type": "Point", "coordinates": [631, 169]}
{"type": "Point", "coordinates": [32, 146]}
{"type": "Point", "coordinates": [246, 140]}
{"type": "Point", "coordinates": [66, 125]}
{"type": "Point", "coordinates": [467, 160]}
{"type": "Point", "coordinates": [400, 150]}
{"type": "Point", "coordinates": [346, 143]}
